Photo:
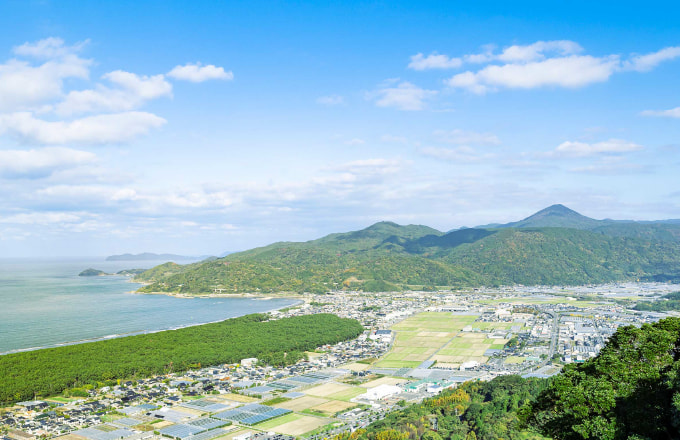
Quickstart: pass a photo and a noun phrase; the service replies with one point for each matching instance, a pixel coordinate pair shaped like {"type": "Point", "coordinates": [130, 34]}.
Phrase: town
{"type": "Point", "coordinates": [415, 345]}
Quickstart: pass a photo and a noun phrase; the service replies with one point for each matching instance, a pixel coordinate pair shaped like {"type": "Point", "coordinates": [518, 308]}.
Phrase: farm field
{"type": "Point", "coordinates": [383, 381]}
{"type": "Point", "coordinates": [236, 398]}
{"type": "Point", "coordinates": [302, 403]}
{"type": "Point", "coordinates": [294, 425]}
{"type": "Point", "coordinates": [273, 423]}
{"type": "Point", "coordinates": [419, 337]}
{"type": "Point", "coordinates": [467, 347]}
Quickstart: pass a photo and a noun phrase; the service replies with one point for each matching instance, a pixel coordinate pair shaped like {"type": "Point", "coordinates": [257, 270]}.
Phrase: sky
{"type": "Point", "coordinates": [204, 127]}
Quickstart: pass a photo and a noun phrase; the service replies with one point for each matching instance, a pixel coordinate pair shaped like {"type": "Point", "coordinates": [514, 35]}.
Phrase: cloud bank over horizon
{"type": "Point", "coordinates": [237, 137]}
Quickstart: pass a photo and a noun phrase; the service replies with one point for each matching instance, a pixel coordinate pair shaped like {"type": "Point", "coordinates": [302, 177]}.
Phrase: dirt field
{"type": "Point", "coordinates": [235, 398]}
{"type": "Point", "coordinates": [383, 381]}
{"type": "Point", "coordinates": [233, 434]}
{"type": "Point", "coordinates": [327, 389]}
{"type": "Point", "coordinates": [301, 425]}
{"type": "Point", "coordinates": [334, 406]}
{"type": "Point", "coordinates": [301, 403]}
{"type": "Point", "coordinates": [357, 367]}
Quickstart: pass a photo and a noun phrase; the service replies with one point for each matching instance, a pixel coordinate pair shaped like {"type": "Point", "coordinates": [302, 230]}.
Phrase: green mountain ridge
{"type": "Point", "coordinates": [388, 256]}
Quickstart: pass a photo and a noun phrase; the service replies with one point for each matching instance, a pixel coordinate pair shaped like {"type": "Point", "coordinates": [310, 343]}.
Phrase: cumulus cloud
{"type": "Point", "coordinates": [671, 113]}
{"type": "Point", "coordinates": [558, 63]}
{"type": "Point", "coordinates": [462, 137]}
{"type": "Point", "coordinates": [434, 61]}
{"type": "Point", "coordinates": [41, 162]}
{"type": "Point", "coordinates": [131, 92]}
{"type": "Point", "coordinates": [199, 73]}
{"type": "Point", "coordinates": [583, 149]}
{"type": "Point", "coordinates": [402, 96]}
{"type": "Point", "coordinates": [24, 86]}
{"type": "Point", "coordinates": [647, 62]}
{"type": "Point", "coordinates": [50, 47]}
{"type": "Point", "coordinates": [538, 50]}
{"type": "Point", "coordinates": [99, 129]}
{"type": "Point", "coordinates": [571, 72]}
{"type": "Point", "coordinates": [330, 100]}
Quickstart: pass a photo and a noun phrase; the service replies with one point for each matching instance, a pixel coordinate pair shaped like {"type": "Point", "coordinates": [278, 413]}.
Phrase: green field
{"type": "Point", "coordinates": [419, 337]}
{"type": "Point", "coordinates": [271, 423]}
{"type": "Point", "coordinates": [347, 394]}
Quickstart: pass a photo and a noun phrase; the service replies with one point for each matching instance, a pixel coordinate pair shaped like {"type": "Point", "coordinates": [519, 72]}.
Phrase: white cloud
{"type": "Point", "coordinates": [434, 61]}
{"type": "Point", "coordinates": [100, 129]}
{"type": "Point", "coordinates": [671, 113]}
{"type": "Point", "coordinates": [582, 149]}
{"type": "Point", "coordinates": [645, 63]}
{"type": "Point", "coordinates": [572, 72]}
{"type": "Point", "coordinates": [557, 63]}
{"type": "Point", "coordinates": [404, 96]}
{"type": "Point", "coordinates": [198, 73]}
{"type": "Point", "coordinates": [51, 47]}
{"type": "Point", "coordinates": [132, 91]}
{"type": "Point", "coordinates": [23, 86]}
{"type": "Point", "coordinates": [462, 137]}
{"type": "Point", "coordinates": [355, 141]}
{"type": "Point", "coordinates": [330, 100]}
{"type": "Point", "coordinates": [42, 162]}
{"type": "Point", "coordinates": [538, 50]}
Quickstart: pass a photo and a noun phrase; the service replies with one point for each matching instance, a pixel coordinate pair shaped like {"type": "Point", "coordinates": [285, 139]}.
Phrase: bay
{"type": "Point", "coordinates": [44, 303]}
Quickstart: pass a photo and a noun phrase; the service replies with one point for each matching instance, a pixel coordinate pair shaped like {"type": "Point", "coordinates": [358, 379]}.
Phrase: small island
{"type": "Point", "coordinates": [98, 273]}
{"type": "Point", "coordinates": [92, 273]}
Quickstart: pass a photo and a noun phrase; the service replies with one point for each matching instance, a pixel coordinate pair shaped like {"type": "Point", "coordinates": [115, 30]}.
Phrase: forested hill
{"type": "Point", "coordinates": [387, 256]}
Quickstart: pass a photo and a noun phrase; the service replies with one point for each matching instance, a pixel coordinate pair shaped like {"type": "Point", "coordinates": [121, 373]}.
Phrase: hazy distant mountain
{"type": "Point", "coordinates": [555, 246]}
{"type": "Point", "coordinates": [151, 256]}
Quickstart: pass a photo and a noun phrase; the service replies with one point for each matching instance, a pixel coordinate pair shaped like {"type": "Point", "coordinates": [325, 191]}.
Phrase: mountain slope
{"type": "Point", "coordinates": [556, 216]}
{"type": "Point", "coordinates": [387, 256]}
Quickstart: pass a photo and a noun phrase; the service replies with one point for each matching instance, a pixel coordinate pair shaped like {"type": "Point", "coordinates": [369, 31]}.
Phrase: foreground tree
{"type": "Point", "coordinates": [630, 391]}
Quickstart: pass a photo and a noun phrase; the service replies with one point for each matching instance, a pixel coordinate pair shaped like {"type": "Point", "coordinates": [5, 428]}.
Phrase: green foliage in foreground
{"type": "Point", "coordinates": [668, 302]}
{"type": "Point", "coordinates": [53, 370]}
{"type": "Point", "coordinates": [484, 410]}
{"type": "Point", "coordinates": [630, 391]}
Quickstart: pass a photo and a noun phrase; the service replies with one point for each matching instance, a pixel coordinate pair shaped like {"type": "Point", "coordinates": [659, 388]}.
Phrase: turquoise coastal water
{"type": "Point", "coordinates": [45, 303]}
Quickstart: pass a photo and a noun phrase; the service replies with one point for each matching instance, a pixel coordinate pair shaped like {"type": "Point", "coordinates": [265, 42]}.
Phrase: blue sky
{"type": "Point", "coordinates": [204, 127]}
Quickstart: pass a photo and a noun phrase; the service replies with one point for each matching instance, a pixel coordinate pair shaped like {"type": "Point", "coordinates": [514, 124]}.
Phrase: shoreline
{"type": "Point", "coordinates": [297, 301]}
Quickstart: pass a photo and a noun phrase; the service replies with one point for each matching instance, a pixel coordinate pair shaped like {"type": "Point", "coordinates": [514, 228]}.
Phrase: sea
{"type": "Point", "coordinates": [44, 303]}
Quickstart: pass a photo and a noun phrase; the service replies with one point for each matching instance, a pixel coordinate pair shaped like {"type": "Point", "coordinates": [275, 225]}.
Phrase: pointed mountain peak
{"type": "Point", "coordinates": [555, 216]}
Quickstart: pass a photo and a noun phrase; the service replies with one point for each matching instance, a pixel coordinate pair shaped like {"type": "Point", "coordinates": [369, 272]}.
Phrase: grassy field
{"type": "Point", "coordinates": [272, 423]}
{"type": "Point", "coordinates": [348, 394]}
{"type": "Point", "coordinates": [514, 359]}
{"type": "Point", "coordinates": [420, 336]}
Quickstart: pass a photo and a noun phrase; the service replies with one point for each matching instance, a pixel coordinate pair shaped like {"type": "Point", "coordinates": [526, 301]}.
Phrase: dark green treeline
{"type": "Point", "coordinates": [51, 371]}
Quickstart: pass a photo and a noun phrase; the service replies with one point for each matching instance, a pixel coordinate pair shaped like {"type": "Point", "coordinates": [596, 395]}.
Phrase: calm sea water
{"type": "Point", "coordinates": [45, 303]}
